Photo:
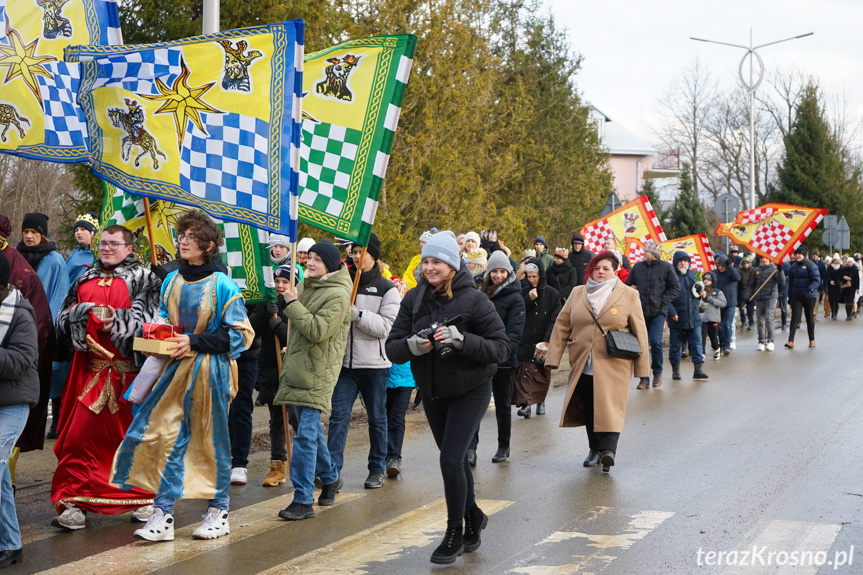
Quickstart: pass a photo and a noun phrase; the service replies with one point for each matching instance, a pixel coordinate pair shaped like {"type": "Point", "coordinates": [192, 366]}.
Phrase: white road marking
{"type": "Point", "coordinates": [145, 557]}
{"type": "Point", "coordinates": [796, 539]}
{"type": "Point", "coordinates": [609, 547]}
{"type": "Point", "coordinates": [389, 540]}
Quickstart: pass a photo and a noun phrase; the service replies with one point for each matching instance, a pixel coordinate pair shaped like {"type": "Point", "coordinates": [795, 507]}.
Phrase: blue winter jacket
{"type": "Point", "coordinates": [727, 281]}
{"type": "Point", "coordinates": [401, 376]}
{"type": "Point", "coordinates": [803, 279]}
{"type": "Point", "coordinates": [685, 306]}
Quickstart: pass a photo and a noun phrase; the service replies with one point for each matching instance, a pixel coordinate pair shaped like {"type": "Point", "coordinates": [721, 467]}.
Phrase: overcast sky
{"type": "Point", "coordinates": [632, 49]}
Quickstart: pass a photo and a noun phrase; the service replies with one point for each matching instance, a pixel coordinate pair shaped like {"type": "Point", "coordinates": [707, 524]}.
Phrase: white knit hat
{"type": "Point", "coordinates": [305, 244]}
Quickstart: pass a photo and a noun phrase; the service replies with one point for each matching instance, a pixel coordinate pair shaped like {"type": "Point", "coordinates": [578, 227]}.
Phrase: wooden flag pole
{"type": "Point", "coordinates": [764, 284]}
{"type": "Point", "coordinates": [357, 277]}
{"type": "Point", "coordinates": [285, 418]}
{"type": "Point", "coordinates": [153, 257]}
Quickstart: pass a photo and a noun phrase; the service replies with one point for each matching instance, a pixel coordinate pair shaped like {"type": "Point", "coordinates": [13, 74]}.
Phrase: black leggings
{"type": "Point", "coordinates": [453, 423]}
{"type": "Point", "coordinates": [501, 384]}
{"type": "Point", "coordinates": [597, 440]}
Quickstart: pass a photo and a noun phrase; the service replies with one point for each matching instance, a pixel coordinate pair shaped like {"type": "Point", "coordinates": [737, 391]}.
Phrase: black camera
{"type": "Point", "coordinates": [443, 349]}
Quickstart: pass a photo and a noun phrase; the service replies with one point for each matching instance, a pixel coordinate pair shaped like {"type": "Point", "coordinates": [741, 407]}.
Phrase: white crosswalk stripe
{"type": "Point", "coordinates": [140, 558]}
{"type": "Point", "coordinates": [385, 542]}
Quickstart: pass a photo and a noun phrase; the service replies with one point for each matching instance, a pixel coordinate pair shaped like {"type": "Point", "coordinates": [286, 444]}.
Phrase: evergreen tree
{"type": "Point", "coordinates": [686, 216]}
{"type": "Point", "coordinates": [814, 172]}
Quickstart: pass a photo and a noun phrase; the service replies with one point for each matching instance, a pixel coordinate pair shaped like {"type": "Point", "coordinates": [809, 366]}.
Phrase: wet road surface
{"type": "Point", "coordinates": [766, 455]}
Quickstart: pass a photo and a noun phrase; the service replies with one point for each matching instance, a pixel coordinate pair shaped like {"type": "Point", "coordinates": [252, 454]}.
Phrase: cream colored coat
{"type": "Point", "coordinates": [575, 331]}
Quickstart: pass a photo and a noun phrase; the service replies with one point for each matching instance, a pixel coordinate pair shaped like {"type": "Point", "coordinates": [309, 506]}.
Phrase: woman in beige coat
{"type": "Point", "coordinates": [598, 384]}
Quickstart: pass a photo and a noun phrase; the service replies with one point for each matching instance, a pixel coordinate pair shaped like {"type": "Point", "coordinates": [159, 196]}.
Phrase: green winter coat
{"type": "Point", "coordinates": [320, 319]}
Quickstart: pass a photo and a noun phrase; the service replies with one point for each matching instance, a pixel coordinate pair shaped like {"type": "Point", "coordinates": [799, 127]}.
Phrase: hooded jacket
{"type": "Point", "coordinates": [713, 302]}
{"type": "Point", "coordinates": [378, 302]}
{"type": "Point", "coordinates": [320, 318]}
{"type": "Point", "coordinates": [540, 314]}
{"type": "Point", "coordinates": [657, 284]}
{"type": "Point", "coordinates": [562, 277]}
{"type": "Point", "coordinates": [19, 352]}
{"type": "Point", "coordinates": [509, 305]}
{"type": "Point", "coordinates": [727, 281]}
{"type": "Point", "coordinates": [485, 340]}
{"type": "Point", "coordinates": [685, 305]}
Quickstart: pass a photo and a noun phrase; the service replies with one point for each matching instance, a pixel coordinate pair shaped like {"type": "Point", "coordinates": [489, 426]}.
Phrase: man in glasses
{"type": "Point", "coordinates": [104, 309]}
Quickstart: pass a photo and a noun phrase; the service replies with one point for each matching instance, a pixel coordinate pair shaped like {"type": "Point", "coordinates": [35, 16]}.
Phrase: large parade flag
{"type": "Point", "coordinates": [211, 121]}
{"type": "Point", "coordinates": [352, 96]}
{"type": "Point", "coordinates": [635, 220]}
{"type": "Point", "coordinates": [772, 230]}
{"type": "Point", "coordinates": [245, 251]}
{"type": "Point", "coordinates": [39, 115]}
{"type": "Point", "coordinates": [698, 248]}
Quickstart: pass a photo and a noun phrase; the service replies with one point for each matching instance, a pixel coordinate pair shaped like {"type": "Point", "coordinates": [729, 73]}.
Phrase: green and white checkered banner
{"type": "Point", "coordinates": [352, 97]}
{"type": "Point", "coordinates": [245, 251]}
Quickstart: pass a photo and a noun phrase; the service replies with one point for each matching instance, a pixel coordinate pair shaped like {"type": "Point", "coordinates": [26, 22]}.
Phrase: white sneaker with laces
{"type": "Point", "coordinates": [215, 524]}
{"type": "Point", "coordinates": [239, 476]}
{"type": "Point", "coordinates": [159, 527]}
{"type": "Point", "coordinates": [72, 518]}
{"type": "Point", "coordinates": [770, 346]}
{"type": "Point", "coordinates": [761, 347]}
{"type": "Point", "coordinates": [142, 514]}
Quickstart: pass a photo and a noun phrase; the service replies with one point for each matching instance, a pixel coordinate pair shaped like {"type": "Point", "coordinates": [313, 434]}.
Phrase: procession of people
{"type": "Point", "coordinates": [137, 431]}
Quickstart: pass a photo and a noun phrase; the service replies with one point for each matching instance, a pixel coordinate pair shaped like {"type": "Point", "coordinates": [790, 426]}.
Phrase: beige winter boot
{"type": "Point", "coordinates": [276, 476]}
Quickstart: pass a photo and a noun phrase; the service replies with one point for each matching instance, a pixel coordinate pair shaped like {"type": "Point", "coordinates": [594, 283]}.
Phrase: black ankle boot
{"type": "Point", "coordinates": [474, 522]}
{"type": "Point", "coordinates": [451, 547]}
{"type": "Point", "coordinates": [675, 371]}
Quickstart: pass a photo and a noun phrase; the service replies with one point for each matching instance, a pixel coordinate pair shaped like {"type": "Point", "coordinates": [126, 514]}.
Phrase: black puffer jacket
{"type": "Point", "coordinates": [510, 307]}
{"type": "Point", "coordinates": [19, 354]}
{"type": "Point", "coordinates": [485, 340]}
{"type": "Point", "coordinates": [540, 315]}
{"type": "Point", "coordinates": [772, 286]}
{"type": "Point", "coordinates": [562, 277]}
{"type": "Point", "coordinates": [657, 284]}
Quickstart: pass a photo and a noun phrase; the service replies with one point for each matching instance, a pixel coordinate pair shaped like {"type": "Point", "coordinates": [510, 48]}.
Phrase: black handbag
{"type": "Point", "coordinates": [620, 344]}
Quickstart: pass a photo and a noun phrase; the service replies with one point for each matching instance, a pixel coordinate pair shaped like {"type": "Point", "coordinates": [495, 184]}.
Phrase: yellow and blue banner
{"type": "Point", "coordinates": [211, 121]}
{"type": "Point", "coordinates": [39, 115]}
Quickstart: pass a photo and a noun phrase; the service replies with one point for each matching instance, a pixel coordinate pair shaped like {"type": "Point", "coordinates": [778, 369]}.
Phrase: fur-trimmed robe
{"type": "Point", "coordinates": [93, 416]}
{"type": "Point", "coordinates": [144, 288]}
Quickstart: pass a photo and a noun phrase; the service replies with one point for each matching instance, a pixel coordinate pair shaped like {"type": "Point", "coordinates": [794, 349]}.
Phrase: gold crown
{"type": "Point", "coordinates": [89, 219]}
{"type": "Point", "coordinates": [562, 252]}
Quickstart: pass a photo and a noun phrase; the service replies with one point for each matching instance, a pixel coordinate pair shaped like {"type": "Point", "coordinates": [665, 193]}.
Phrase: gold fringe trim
{"type": "Point", "coordinates": [107, 396]}
{"type": "Point", "coordinates": [103, 501]}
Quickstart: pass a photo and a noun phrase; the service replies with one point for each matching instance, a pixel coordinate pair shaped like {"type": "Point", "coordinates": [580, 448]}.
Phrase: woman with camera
{"type": "Point", "coordinates": [598, 383]}
{"type": "Point", "coordinates": [454, 339]}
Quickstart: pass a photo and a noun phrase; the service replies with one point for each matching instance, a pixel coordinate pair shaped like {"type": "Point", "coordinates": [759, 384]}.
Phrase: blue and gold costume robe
{"type": "Point", "coordinates": [178, 444]}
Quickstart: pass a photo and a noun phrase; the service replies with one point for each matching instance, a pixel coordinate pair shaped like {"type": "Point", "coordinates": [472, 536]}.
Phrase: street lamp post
{"type": "Point", "coordinates": [751, 86]}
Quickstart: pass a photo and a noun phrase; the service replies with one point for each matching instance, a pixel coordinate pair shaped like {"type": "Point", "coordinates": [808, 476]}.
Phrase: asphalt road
{"type": "Point", "coordinates": [765, 456]}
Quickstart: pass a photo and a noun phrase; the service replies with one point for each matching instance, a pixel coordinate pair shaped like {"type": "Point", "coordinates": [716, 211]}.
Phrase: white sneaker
{"type": "Point", "coordinates": [732, 345]}
{"type": "Point", "coordinates": [159, 527]}
{"type": "Point", "coordinates": [770, 346]}
{"type": "Point", "coordinates": [761, 347]}
{"type": "Point", "coordinates": [239, 476]}
{"type": "Point", "coordinates": [716, 354]}
{"type": "Point", "coordinates": [142, 514]}
{"type": "Point", "coordinates": [72, 518]}
{"type": "Point", "coordinates": [215, 524]}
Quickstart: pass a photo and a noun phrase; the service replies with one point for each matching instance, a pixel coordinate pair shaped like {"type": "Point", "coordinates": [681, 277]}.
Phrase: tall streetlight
{"type": "Point", "coordinates": [751, 86]}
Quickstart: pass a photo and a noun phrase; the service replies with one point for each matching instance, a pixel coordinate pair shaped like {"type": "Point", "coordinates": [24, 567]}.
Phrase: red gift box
{"type": "Point", "coordinates": [160, 331]}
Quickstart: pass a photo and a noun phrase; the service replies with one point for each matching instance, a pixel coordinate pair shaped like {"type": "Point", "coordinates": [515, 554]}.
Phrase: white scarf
{"type": "Point", "coordinates": [599, 292]}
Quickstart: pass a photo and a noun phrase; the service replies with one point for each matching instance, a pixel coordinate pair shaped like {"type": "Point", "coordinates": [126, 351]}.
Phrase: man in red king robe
{"type": "Point", "coordinates": [103, 310]}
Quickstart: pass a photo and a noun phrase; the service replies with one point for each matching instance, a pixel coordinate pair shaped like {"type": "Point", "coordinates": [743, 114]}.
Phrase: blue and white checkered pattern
{"type": "Point", "coordinates": [229, 164]}
{"type": "Point", "coordinates": [65, 124]}
{"type": "Point", "coordinates": [137, 71]}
